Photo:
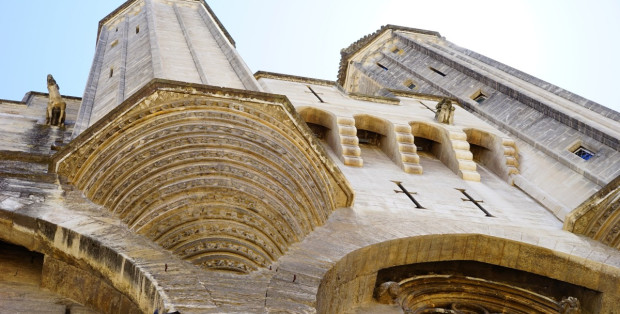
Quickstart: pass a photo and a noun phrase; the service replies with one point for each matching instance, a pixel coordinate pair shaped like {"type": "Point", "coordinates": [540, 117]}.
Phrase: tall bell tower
{"type": "Point", "coordinates": [180, 40]}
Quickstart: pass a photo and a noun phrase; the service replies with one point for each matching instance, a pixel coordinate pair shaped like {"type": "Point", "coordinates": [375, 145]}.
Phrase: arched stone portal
{"type": "Point", "coordinates": [353, 280]}
{"type": "Point", "coordinates": [226, 179]}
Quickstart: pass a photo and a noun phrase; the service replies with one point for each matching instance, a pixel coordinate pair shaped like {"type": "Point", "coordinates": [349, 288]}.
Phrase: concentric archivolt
{"type": "Point", "coordinates": [461, 294]}
{"type": "Point", "coordinates": [224, 183]}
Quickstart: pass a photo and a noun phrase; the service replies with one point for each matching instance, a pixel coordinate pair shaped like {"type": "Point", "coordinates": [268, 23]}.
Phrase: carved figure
{"type": "Point", "coordinates": [570, 305]}
{"type": "Point", "coordinates": [55, 106]}
{"type": "Point", "coordinates": [387, 292]}
{"type": "Point", "coordinates": [445, 111]}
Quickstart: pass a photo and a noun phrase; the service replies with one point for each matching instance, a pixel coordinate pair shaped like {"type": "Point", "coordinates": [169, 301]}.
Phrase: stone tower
{"type": "Point", "coordinates": [427, 178]}
{"type": "Point", "coordinates": [173, 40]}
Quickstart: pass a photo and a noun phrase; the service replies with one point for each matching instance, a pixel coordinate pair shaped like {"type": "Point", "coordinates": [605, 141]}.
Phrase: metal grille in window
{"type": "Point", "coordinates": [584, 153]}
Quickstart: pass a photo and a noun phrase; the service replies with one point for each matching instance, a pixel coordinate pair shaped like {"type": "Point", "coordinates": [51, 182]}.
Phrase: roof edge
{"type": "Point", "coordinates": [346, 53]}
{"type": "Point", "coordinates": [293, 78]}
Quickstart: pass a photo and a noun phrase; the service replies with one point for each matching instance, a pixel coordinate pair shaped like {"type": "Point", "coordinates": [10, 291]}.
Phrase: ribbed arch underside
{"type": "Point", "coordinates": [226, 185]}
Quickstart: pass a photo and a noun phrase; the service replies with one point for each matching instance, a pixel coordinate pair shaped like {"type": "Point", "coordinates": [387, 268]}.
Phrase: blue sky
{"type": "Point", "coordinates": [573, 44]}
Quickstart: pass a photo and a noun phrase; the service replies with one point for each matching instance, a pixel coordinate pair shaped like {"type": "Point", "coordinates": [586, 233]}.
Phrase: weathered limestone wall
{"type": "Point", "coordinates": [546, 122]}
{"type": "Point", "coordinates": [524, 235]}
{"type": "Point", "coordinates": [20, 285]}
{"type": "Point", "coordinates": [89, 256]}
{"type": "Point", "coordinates": [22, 124]}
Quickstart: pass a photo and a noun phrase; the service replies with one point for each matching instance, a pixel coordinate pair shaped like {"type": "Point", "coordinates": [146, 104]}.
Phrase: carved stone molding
{"type": "Point", "coordinates": [223, 178]}
{"type": "Point", "coordinates": [461, 294]}
{"type": "Point", "coordinates": [599, 216]}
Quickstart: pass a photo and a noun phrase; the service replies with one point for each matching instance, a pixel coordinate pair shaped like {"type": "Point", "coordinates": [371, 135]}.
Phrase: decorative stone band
{"type": "Point", "coordinates": [461, 294]}
{"type": "Point", "coordinates": [226, 179]}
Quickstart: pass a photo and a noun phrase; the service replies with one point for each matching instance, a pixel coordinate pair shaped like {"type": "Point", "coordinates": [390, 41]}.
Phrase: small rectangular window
{"type": "Point", "coordinates": [111, 72]}
{"type": "Point", "coordinates": [137, 29]}
{"type": "Point", "coordinates": [410, 84]}
{"type": "Point", "coordinates": [479, 97]}
{"type": "Point", "coordinates": [397, 50]}
{"type": "Point", "coordinates": [437, 71]}
{"type": "Point", "coordinates": [382, 66]}
{"type": "Point", "coordinates": [584, 153]}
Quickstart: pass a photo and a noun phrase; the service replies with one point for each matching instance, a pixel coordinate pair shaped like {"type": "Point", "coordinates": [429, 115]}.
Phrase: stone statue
{"type": "Point", "coordinates": [387, 292]}
{"type": "Point", "coordinates": [55, 106]}
{"type": "Point", "coordinates": [570, 305]}
{"type": "Point", "coordinates": [445, 111]}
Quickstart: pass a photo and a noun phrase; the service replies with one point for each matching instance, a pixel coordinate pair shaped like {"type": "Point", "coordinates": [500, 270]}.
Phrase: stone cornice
{"type": "Point", "coordinates": [401, 93]}
{"type": "Point", "coordinates": [376, 99]}
{"type": "Point", "coordinates": [163, 84]}
{"type": "Point", "coordinates": [347, 53]}
{"type": "Point", "coordinates": [29, 94]}
{"type": "Point", "coordinates": [293, 78]}
{"type": "Point", "coordinates": [23, 156]}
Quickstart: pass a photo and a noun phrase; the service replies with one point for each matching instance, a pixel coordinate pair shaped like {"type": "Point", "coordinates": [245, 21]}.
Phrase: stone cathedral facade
{"type": "Point", "coordinates": [426, 179]}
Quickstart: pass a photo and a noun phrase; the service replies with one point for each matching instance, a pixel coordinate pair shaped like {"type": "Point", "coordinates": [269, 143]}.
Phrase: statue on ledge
{"type": "Point", "coordinates": [55, 106]}
{"type": "Point", "coordinates": [445, 112]}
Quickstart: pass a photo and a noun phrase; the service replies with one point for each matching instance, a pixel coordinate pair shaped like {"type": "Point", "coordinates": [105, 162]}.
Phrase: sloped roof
{"type": "Point", "coordinates": [347, 53]}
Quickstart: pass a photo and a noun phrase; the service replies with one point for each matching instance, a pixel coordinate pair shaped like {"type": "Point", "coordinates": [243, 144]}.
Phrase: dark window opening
{"type": "Point", "coordinates": [111, 72]}
{"type": "Point", "coordinates": [411, 86]}
{"type": "Point", "coordinates": [426, 147]}
{"type": "Point", "coordinates": [481, 155]}
{"type": "Point", "coordinates": [368, 137]}
{"type": "Point", "coordinates": [137, 29]}
{"type": "Point", "coordinates": [584, 153]}
{"type": "Point", "coordinates": [382, 66]}
{"type": "Point", "coordinates": [397, 50]}
{"type": "Point", "coordinates": [437, 71]}
{"type": "Point", "coordinates": [480, 98]}
{"type": "Point", "coordinates": [318, 130]}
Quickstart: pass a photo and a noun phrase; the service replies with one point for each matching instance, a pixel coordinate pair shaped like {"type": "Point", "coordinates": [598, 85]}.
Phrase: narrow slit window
{"type": "Point", "coordinates": [437, 71]}
{"type": "Point", "coordinates": [137, 29]}
{"type": "Point", "coordinates": [111, 72]}
{"type": "Point", "coordinates": [584, 153]}
{"type": "Point", "coordinates": [382, 66]}
{"type": "Point", "coordinates": [315, 94]}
